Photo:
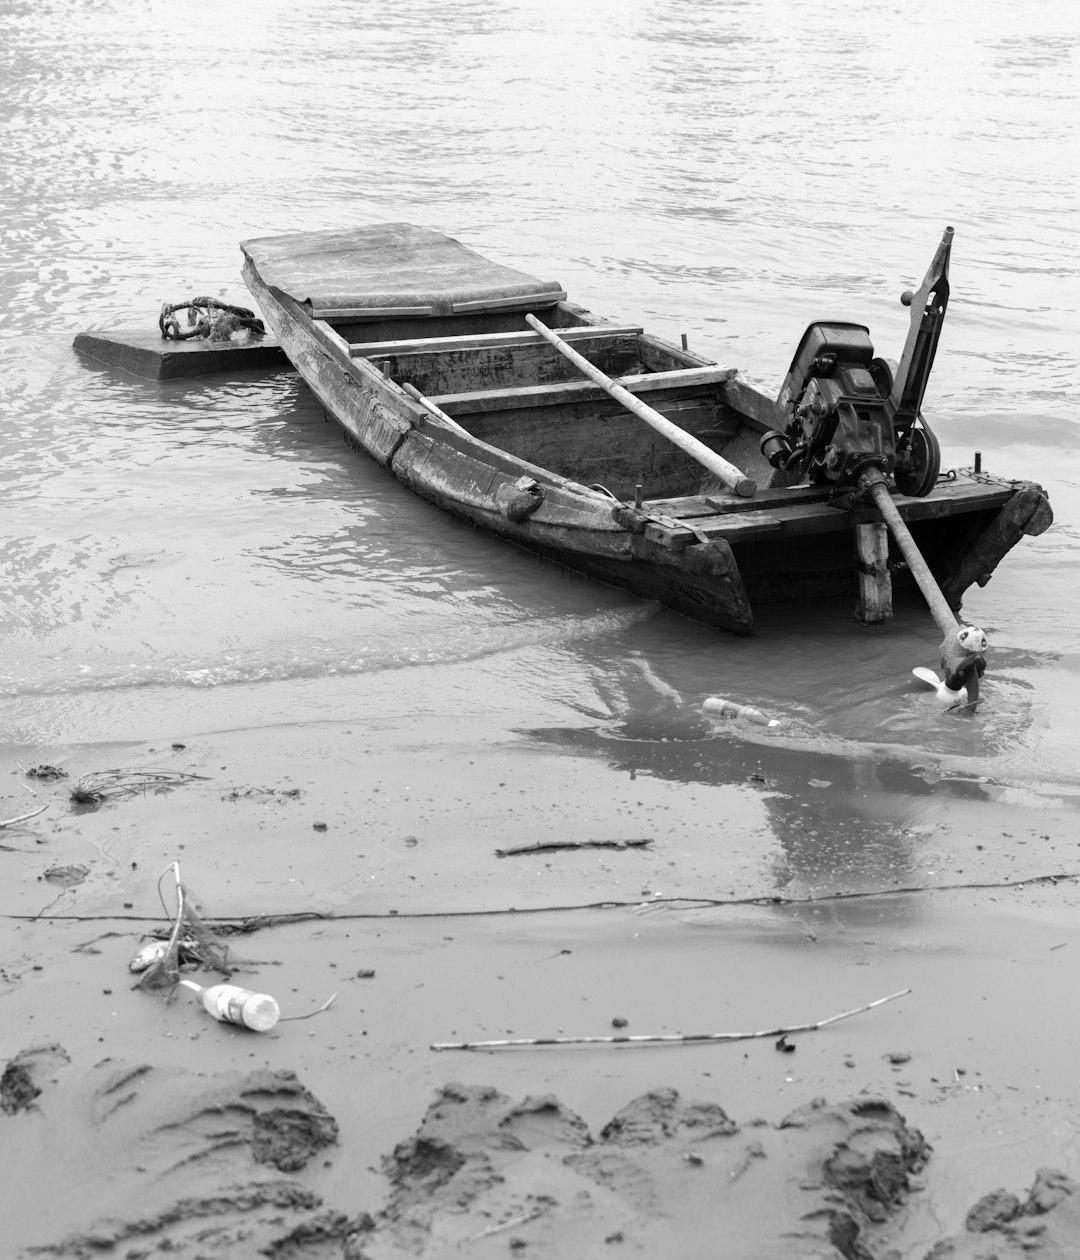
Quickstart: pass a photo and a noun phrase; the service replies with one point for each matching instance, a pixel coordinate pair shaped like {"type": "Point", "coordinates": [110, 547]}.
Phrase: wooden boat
{"type": "Point", "coordinates": [424, 353]}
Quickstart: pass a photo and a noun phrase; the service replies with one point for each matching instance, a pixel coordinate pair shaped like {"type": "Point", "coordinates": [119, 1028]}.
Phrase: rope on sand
{"type": "Point", "coordinates": [256, 922]}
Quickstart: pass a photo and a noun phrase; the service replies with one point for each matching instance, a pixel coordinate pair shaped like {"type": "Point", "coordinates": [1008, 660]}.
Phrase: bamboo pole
{"type": "Point", "coordinates": [920, 570]}
{"type": "Point", "coordinates": [664, 1038]}
{"type": "Point", "coordinates": [734, 478]}
{"type": "Point", "coordinates": [434, 410]}
{"type": "Point", "coordinates": [10, 822]}
{"type": "Point", "coordinates": [954, 650]}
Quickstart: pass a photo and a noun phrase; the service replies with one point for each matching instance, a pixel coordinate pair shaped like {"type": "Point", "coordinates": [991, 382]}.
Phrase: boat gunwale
{"type": "Point", "coordinates": [577, 494]}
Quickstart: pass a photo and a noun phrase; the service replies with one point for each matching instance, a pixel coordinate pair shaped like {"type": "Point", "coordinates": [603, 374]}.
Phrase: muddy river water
{"type": "Point", "coordinates": [201, 574]}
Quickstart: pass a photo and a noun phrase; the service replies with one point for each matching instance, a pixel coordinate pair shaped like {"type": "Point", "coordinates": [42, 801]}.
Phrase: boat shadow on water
{"type": "Point", "coordinates": [838, 812]}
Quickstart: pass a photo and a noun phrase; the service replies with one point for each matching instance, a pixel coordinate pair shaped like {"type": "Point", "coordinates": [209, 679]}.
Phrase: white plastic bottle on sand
{"type": "Point", "coordinates": [728, 708]}
{"type": "Point", "coordinates": [232, 1005]}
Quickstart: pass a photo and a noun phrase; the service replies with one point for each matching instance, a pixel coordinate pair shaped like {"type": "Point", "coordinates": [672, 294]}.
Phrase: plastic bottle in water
{"type": "Point", "coordinates": [232, 1005]}
{"type": "Point", "coordinates": [728, 708]}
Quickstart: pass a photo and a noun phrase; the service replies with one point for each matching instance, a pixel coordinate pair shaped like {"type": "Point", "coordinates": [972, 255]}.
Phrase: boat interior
{"type": "Point", "coordinates": [508, 387]}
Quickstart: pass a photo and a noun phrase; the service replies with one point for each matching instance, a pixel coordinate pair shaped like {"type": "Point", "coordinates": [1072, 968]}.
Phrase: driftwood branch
{"type": "Point", "coordinates": [662, 1038]}
{"type": "Point", "coordinates": [174, 935]}
{"type": "Point", "coordinates": [513, 1223]}
{"type": "Point", "coordinates": [311, 1014]}
{"type": "Point", "coordinates": [10, 822]}
{"type": "Point", "coordinates": [554, 846]}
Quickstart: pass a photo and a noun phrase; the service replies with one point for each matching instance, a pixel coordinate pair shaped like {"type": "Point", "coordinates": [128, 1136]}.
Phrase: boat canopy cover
{"type": "Point", "coordinates": [391, 270]}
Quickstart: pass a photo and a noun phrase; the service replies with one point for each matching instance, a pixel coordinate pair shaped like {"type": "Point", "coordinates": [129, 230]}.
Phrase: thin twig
{"type": "Point", "coordinates": [552, 846]}
{"type": "Point", "coordinates": [175, 934]}
{"type": "Point", "coordinates": [510, 1224]}
{"type": "Point", "coordinates": [10, 822]}
{"type": "Point", "coordinates": [310, 1014]}
{"type": "Point", "coordinates": [658, 1038]}
{"type": "Point", "coordinates": [256, 922]}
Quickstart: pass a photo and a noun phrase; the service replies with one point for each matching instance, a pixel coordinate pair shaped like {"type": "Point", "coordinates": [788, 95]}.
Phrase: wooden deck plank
{"type": "Point", "coordinates": [801, 518]}
{"type": "Point", "coordinates": [760, 409]}
{"type": "Point", "coordinates": [695, 505]}
{"type": "Point", "coordinates": [574, 391]}
{"type": "Point", "coordinates": [487, 368]}
{"type": "Point", "coordinates": [373, 269]}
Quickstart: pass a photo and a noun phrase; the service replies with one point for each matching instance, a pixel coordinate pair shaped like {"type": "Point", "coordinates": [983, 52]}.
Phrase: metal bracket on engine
{"type": "Point", "coordinates": [927, 316]}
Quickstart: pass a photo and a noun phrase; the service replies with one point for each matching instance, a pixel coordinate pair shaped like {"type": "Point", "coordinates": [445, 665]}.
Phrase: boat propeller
{"type": "Point", "coordinates": [963, 662]}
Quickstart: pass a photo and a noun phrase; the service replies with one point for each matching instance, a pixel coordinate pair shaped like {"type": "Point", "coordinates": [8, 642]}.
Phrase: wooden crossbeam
{"type": "Point", "coordinates": [578, 391]}
{"type": "Point", "coordinates": [787, 516]}
{"type": "Point", "coordinates": [485, 341]}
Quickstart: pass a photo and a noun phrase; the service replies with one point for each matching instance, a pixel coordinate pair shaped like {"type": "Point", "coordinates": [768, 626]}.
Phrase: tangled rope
{"type": "Point", "coordinates": [207, 318]}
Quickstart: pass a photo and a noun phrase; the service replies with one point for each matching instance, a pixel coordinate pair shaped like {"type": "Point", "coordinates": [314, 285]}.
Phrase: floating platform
{"type": "Point", "coordinates": [144, 352]}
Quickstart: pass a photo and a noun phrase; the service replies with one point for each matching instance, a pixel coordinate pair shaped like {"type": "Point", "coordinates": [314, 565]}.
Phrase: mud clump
{"type": "Point", "coordinates": [665, 1176]}
{"type": "Point", "coordinates": [992, 1212]}
{"type": "Point", "coordinates": [46, 773]}
{"type": "Point", "coordinates": [17, 1088]}
{"type": "Point", "coordinates": [322, 1235]}
{"type": "Point", "coordinates": [208, 1150]}
{"type": "Point", "coordinates": [66, 876]}
{"type": "Point", "coordinates": [198, 1226]}
{"type": "Point", "coordinates": [22, 1079]}
{"type": "Point", "coordinates": [268, 1111]}
{"type": "Point", "coordinates": [458, 1158]}
{"type": "Point", "coordinates": [872, 1158]}
{"type": "Point", "coordinates": [288, 1136]}
{"type": "Point", "coordinates": [662, 1114]}
{"type": "Point", "coordinates": [1001, 1226]}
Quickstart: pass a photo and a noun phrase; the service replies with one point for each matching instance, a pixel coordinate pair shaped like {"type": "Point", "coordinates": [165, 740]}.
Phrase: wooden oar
{"type": "Point", "coordinates": [963, 645]}
{"type": "Point", "coordinates": [734, 478]}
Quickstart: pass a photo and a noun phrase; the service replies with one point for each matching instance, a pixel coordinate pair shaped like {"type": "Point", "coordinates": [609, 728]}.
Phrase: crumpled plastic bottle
{"type": "Point", "coordinates": [232, 1005]}
{"type": "Point", "coordinates": [728, 708]}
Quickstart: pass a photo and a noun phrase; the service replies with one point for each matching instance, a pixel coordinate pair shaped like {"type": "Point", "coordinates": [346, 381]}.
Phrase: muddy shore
{"type": "Point", "coordinates": [199, 575]}
{"type": "Point", "coordinates": [132, 1126]}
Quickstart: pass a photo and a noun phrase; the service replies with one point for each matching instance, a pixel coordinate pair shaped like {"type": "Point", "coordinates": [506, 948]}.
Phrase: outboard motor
{"type": "Point", "coordinates": [848, 411]}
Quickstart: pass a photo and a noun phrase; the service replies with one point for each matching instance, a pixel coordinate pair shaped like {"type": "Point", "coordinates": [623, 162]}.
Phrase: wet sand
{"type": "Point", "coordinates": [151, 1117]}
